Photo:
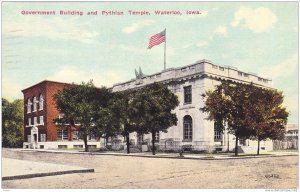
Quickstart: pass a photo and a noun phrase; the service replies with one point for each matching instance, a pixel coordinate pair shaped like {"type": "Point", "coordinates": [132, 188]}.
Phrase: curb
{"type": "Point", "coordinates": [200, 158]}
{"type": "Point", "coordinates": [46, 174]}
{"type": "Point", "coordinates": [170, 157]}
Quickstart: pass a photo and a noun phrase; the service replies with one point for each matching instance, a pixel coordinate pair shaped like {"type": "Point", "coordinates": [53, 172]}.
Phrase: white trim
{"type": "Point", "coordinates": [69, 144]}
{"type": "Point", "coordinates": [41, 102]}
{"type": "Point", "coordinates": [40, 120]}
{"type": "Point", "coordinates": [35, 121]}
{"type": "Point", "coordinates": [34, 104]}
{"type": "Point", "coordinates": [28, 105]}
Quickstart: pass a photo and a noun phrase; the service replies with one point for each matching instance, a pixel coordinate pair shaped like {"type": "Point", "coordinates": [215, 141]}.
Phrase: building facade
{"type": "Point", "coordinates": [193, 130]}
{"type": "Point", "coordinates": [290, 140]}
{"type": "Point", "coordinates": [40, 112]}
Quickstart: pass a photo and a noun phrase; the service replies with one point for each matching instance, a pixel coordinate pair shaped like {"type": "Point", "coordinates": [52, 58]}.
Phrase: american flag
{"type": "Point", "coordinates": [157, 39]}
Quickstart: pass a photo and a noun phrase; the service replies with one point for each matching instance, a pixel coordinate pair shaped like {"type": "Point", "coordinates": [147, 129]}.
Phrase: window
{"type": "Point", "coordinates": [246, 75]}
{"type": "Point", "coordinates": [187, 128]}
{"type": "Point", "coordinates": [157, 137]}
{"type": "Point", "coordinates": [91, 136]}
{"type": "Point", "coordinates": [41, 120]}
{"type": "Point", "coordinates": [92, 146]}
{"type": "Point", "coordinates": [41, 103]}
{"type": "Point", "coordinates": [62, 134]}
{"type": "Point", "coordinates": [140, 138]}
{"type": "Point", "coordinates": [60, 119]}
{"type": "Point", "coordinates": [221, 68]}
{"type": "Point", "coordinates": [188, 94]}
{"type": "Point", "coordinates": [43, 137]}
{"type": "Point", "coordinates": [76, 135]}
{"type": "Point", "coordinates": [29, 106]}
{"type": "Point", "coordinates": [35, 121]}
{"type": "Point", "coordinates": [62, 146]}
{"type": "Point", "coordinates": [29, 121]}
{"type": "Point", "coordinates": [214, 66]}
{"type": "Point", "coordinates": [78, 146]}
{"type": "Point", "coordinates": [242, 141]}
{"type": "Point", "coordinates": [217, 131]}
{"type": "Point", "coordinates": [34, 104]}
{"type": "Point", "coordinates": [260, 79]}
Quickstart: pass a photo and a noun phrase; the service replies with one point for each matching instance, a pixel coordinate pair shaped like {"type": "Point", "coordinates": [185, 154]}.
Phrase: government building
{"type": "Point", "coordinates": [193, 131]}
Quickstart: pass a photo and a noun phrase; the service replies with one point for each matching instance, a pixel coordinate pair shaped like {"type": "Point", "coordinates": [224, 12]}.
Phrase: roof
{"type": "Point", "coordinates": [45, 81]}
{"type": "Point", "coordinates": [203, 61]}
{"type": "Point", "coordinates": [292, 126]}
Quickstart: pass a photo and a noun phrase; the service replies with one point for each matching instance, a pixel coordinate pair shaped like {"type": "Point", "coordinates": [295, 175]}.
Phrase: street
{"type": "Point", "coordinates": [140, 172]}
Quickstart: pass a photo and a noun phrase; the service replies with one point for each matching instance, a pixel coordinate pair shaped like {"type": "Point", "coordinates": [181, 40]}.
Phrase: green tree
{"type": "Point", "coordinates": [269, 117]}
{"type": "Point", "coordinates": [105, 121]}
{"type": "Point", "coordinates": [84, 105]}
{"type": "Point", "coordinates": [12, 123]}
{"type": "Point", "coordinates": [249, 111]}
{"type": "Point", "coordinates": [152, 109]}
{"type": "Point", "coordinates": [228, 104]}
{"type": "Point", "coordinates": [122, 110]}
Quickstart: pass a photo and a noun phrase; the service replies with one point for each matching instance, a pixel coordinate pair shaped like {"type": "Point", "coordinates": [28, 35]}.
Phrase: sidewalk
{"type": "Point", "coordinates": [21, 169]}
{"type": "Point", "coordinates": [217, 156]}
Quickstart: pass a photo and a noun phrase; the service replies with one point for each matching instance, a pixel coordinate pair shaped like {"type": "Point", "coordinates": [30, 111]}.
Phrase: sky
{"type": "Point", "coordinates": [257, 37]}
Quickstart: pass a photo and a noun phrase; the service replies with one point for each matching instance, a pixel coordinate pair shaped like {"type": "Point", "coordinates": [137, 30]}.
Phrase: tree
{"type": "Point", "coordinates": [228, 104]}
{"type": "Point", "coordinates": [269, 117]}
{"type": "Point", "coordinates": [12, 123]}
{"type": "Point", "coordinates": [104, 125]}
{"type": "Point", "coordinates": [249, 111]}
{"type": "Point", "coordinates": [152, 109]}
{"type": "Point", "coordinates": [83, 104]}
{"type": "Point", "coordinates": [121, 109]}
{"type": "Point", "coordinates": [105, 121]}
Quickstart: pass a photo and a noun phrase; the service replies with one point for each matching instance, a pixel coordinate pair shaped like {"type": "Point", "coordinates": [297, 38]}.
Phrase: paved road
{"type": "Point", "coordinates": [139, 172]}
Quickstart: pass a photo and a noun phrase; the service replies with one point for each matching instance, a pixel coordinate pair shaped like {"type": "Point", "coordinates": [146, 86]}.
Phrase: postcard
{"type": "Point", "coordinates": [68, 124]}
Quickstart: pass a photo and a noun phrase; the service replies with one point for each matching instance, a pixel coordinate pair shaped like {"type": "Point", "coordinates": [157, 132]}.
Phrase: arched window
{"type": "Point", "coordinates": [34, 103]}
{"type": "Point", "coordinates": [187, 128]}
{"type": "Point", "coordinates": [29, 106]}
{"type": "Point", "coordinates": [41, 103]}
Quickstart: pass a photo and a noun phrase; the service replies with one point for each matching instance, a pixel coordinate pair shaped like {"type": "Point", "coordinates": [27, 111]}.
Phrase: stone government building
{"type": "Point", "coordinates": [193, 130]}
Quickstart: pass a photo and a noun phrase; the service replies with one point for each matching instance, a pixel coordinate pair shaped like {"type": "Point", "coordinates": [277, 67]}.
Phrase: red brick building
{"type": "Point", "coordinates": [40, 112]}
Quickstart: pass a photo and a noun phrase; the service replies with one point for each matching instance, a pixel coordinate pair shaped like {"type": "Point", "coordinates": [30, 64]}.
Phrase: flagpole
{"type": "Point", "coordinates": [165, 49]}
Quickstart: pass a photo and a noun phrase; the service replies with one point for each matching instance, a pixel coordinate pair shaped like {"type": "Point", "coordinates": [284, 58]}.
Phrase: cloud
{"type": "Point", "coordinates": [72, 74]}
{"type": "Point", "coordinates": [221, 30]}
{"type": "Point", "coordinates": [202, 43]}
{"type": "Point", "coordinates": [10, 89]}
{"type": "Point", "coordinates": [258, 20]}
{"type": "Point", "coordinates": [137, 26]}
{"type": "Point", "coordinates": [283, 69]}
{"type": "Point", "coordinates": [285, 73]}
{"type": "Point", "coordinates": [57, 28]}
{"type": "Point", "coordinates": [187, 46]}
